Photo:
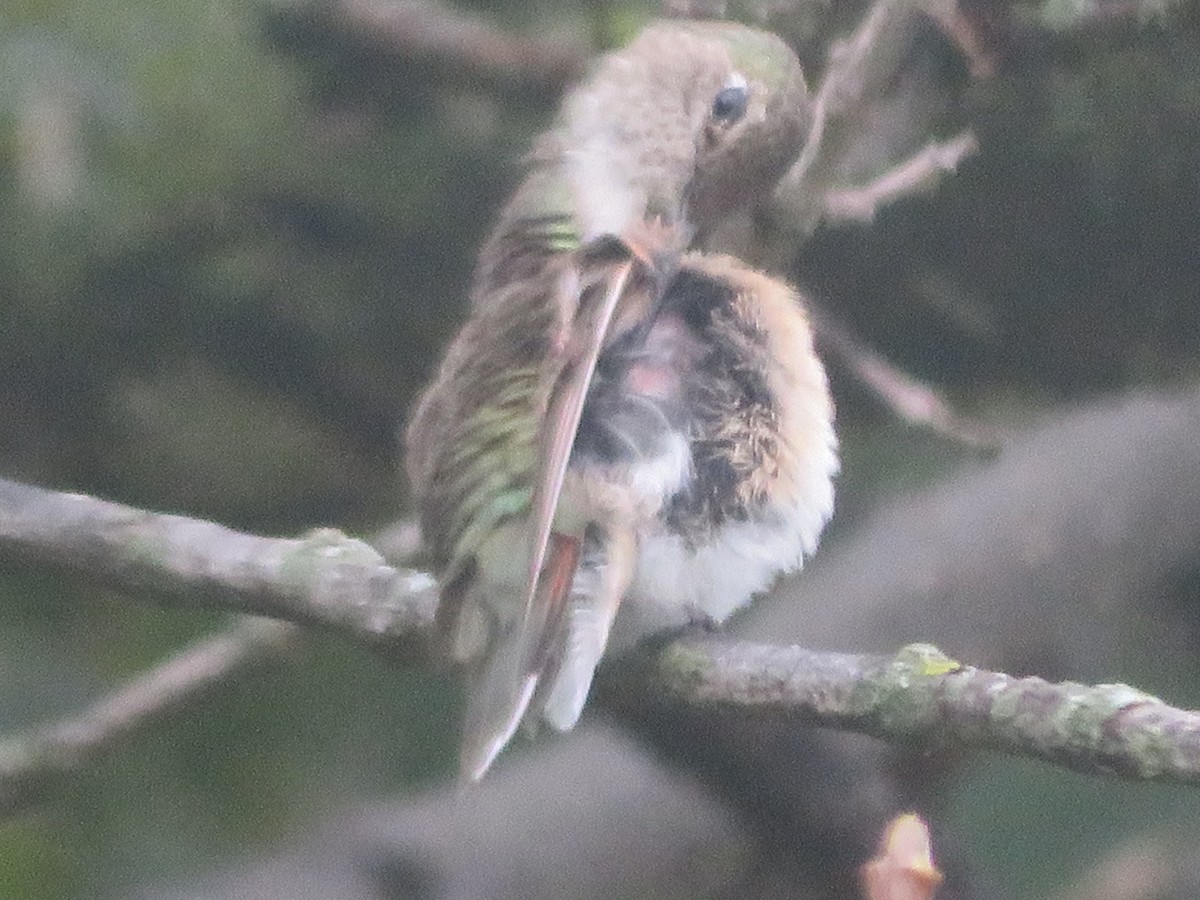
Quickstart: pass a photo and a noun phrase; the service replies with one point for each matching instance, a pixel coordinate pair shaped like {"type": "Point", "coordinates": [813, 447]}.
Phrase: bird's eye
{"type": "Point", "coordinates": [730, 103]}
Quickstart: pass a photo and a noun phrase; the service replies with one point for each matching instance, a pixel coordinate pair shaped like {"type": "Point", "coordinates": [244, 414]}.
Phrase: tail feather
{"type": "Point", "coordinates": [497, 703]}
{"type": "Point", "coordinates": [552, 672]}
{"type": "Point", "coordinates": [514, 662]}
{"type": "Point", "coordinates": [589, 623]}
{"type": "Point", "coordinates": [589, 627]}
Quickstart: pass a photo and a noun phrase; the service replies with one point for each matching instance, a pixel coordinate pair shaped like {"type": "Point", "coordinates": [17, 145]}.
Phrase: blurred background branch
{"type": "Point", "coordinates": [859, 69]}
{"type": "Point", "coordinates": [919, 172]}
{"type": "Point", "coordinates": [34, 763]}
{"type": "Point", "coordinates": [455, 40]}
{"type": "Point", "coordinates": [907, 397]}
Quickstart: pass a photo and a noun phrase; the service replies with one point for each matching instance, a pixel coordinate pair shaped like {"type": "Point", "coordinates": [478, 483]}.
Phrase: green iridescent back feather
{"type": "Point", "coordinates": [472, 443]}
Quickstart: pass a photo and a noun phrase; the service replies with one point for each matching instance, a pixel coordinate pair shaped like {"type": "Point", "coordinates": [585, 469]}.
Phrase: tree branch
{"type": "Point", "coordinates": [325, 578]}
{"type": "Point", "coordinates": [416, 29]}
{"type": "Point", "coordinates": [859, 68]}
{"type": "Point", "coordinates": [32, 764]}
{"type": "Point", "coordinates": [919, 172]}
{"type": "Point", "coordinates": [921, 696]}
{"type": "Point", "coordinates": [330, 580]}
{"type": "Point", "coordinates": [909, 399]}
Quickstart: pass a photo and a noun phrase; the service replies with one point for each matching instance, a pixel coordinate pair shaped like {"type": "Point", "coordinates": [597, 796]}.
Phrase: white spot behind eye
{"type": "Point", "coordinates": [736, 80]}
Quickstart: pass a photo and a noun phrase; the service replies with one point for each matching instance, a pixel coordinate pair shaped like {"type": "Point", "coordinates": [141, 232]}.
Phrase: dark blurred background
{"type": "Point", "coordinates": [234, 236]}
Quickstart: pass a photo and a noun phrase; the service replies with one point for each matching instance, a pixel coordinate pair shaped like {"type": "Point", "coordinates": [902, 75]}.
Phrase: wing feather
{"type": "Point", "coordinates": [557, 438]}
{"type": "Point", "coordinates": [491, 445]}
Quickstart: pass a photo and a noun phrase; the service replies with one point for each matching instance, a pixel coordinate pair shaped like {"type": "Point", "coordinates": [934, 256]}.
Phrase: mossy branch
{"type": "Point", "coordinates": [923, 698]}
{"type": "Point", "coordinates": [919, 697]}
{"type": "Point", "coordinates": [323, 578]}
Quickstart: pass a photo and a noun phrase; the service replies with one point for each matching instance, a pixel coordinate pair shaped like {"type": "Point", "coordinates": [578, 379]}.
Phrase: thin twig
{"type": "Point", "coordinates": [859, 68]}
{"type": "Point", "coordinates": [31, 764]}
{"type": "Point", "coordinates": [920, 172]}
{"type": "Point", "coordinates": [909, 398]}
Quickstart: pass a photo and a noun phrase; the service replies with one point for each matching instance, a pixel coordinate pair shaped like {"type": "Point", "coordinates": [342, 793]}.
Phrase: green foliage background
{"type": "Point", "coordinates": [232, 240]}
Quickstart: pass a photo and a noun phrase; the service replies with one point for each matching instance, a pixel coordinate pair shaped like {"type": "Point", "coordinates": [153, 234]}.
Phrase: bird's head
{"type": "Point", "coordinates": [688, 123]}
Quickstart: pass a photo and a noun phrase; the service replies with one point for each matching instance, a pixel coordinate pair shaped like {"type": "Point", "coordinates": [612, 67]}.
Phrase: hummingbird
{"type": "Point", "coordinates": [621, 423]}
